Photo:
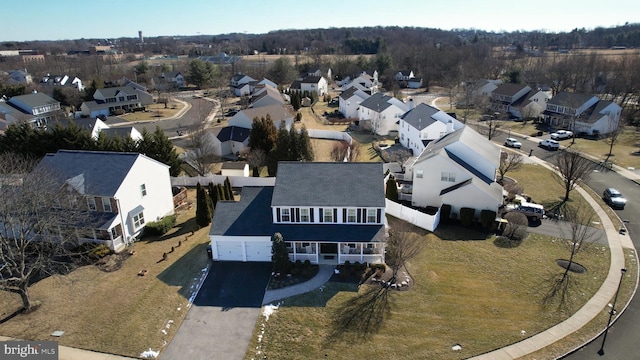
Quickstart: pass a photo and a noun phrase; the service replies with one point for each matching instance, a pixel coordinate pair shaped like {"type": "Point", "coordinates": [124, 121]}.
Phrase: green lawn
{"type": "Point", "coordinates": [471, 293]}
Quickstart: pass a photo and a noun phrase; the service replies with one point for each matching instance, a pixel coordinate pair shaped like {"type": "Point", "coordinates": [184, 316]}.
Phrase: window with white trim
{"type": "Point", "coordinates": [138, 220]}
{"type": "Point", "coordinates": [143, 189]}
{"type": "Point", "coordinates": [285, 215]}
{"type": "Point", "coordinates": [106, 205]}
{"type": "Point", "coordinates": [419, 174]}
{"type": "Point", "coordinates": [91, 203]}
{"type": "Point", "coordinates": [328, 215]}
{"type": "Point", "coordinates": [304, 215]}
{"type": "Point", "coordinates": [371, 215]}
{"type": "Point", "coordinates": [351, 215]}
{"type": "Point", "coordinates": [448, 176]}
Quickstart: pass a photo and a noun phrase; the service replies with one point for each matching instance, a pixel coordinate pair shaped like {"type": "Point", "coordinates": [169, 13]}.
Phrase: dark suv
{"type": "Point", "coordinates": [614, 198]}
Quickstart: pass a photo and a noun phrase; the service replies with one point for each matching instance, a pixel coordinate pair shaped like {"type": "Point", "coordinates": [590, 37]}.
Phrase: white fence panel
{"type": "Point", "coordinates": [330, 134]}
{"type": "Point", "coordinates": [415, 217]}
{"type": "Point", "coordinates": [236, 181]}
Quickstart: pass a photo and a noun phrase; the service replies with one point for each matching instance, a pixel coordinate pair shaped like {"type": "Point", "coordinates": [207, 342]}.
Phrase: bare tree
{"type": "Point", "coordinates": [516, 229]}
{"type": "Point", "coordinates": [574, 169]}
{"type": "Point", "coordinates": [256, 158]}
{"type": "Point", "coordinates": [40, 215]}
{"type": "Point", "coordinates": [490, 128]}
{"type": "Point", "coordinates": [402, 246]}
{"type": "Point", "coordinates": [509, 161]}
{"type": "Point", "coordinates": [201, 152]}
{"type": "Point", "coordinates": [343, 151]}
{"type": "Point", "coordinates": [612, 137]}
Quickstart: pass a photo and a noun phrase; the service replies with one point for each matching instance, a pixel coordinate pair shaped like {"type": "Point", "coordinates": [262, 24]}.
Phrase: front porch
{"type": "Point", "coordinates": [336, 253]}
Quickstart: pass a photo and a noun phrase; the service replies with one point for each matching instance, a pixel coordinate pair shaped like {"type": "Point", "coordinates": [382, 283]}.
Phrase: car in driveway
{"type": "Point", "coordinates": [512, 143]}
{"type": "Point", "coordinates": [530, 210]}
{"type": "Point", "coordinates": [549, 144]}
{"type": "Point", "coordinates": [230, 113]}
{"type": "Point", "coordinates": [614, 198]}
{"type": "Point", "coordinates": [562, 135]}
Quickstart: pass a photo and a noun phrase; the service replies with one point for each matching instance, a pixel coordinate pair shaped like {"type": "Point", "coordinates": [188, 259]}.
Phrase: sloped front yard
{"type": "Point", "coordinates": [119, 312]}
{"type": "Point", "coordinates": [468, 293]}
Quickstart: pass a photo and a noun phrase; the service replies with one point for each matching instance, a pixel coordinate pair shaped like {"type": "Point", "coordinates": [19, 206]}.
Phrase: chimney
{"type": "Point", "coordinates": [449, 126]}
{"type": "Point", "coordinates": [410, 104]}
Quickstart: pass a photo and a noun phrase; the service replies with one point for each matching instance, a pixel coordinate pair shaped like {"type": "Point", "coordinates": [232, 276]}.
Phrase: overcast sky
{"type": "Point", "coordinates": [74, 19]}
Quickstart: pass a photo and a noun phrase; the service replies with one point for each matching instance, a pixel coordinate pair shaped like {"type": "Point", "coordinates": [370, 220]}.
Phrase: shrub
{"type": "Point", "coordinates": [445, 212]}
{"type": "Point", "coordinates": [487, 218]}
{"type": "Point", "coordinates": [466, 216]}
{"type": "Point", "coordinates": [117, 112]}
{"type": "Point", "coordinates": [307, 264]}
{"type": "Point", "coordinates": [160, 227]}
{"type": "Point", "coordinates": [99, 251]}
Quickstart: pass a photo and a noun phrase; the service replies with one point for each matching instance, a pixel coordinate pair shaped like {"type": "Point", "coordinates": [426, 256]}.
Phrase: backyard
{"type": "Point", "coordinates": [121, 312]}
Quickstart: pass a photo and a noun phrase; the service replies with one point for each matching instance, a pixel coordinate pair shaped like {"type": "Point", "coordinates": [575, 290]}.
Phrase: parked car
{"type": "Point", "coordinates": [531, 210]}
{"type": "Point", "coordinates": [231, 113]}
{"type": "Point", "coordinates": [614, 198]}
{"type": "Point", "coordinates": [561, 135]}
{"type": "Point", "coordinates": [549, 144]}
{"type": "Point", "coordinates": [513, 143]}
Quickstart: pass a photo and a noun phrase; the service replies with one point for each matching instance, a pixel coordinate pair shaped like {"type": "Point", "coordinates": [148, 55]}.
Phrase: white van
{"type": "Point", "coordinates": [531, 210]}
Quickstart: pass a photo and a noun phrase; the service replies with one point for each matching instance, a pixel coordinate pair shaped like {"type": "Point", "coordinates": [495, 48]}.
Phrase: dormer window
{"type": "Point", "coordinates": [91, 203]}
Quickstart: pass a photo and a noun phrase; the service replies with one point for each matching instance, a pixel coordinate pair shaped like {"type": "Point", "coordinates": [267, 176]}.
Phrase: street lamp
{"type": "Point", "coordinates": [613, 311]}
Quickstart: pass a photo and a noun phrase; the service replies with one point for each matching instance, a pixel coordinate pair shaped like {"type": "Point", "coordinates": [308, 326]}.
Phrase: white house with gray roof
{"type": "Point", "coordinates": [43, 107]}
{"type": "Point", "coordinates": [458, 169]}
{"type": "Point", "coordinates": [381, 113]}
{"type": "Point", "coordinates": [582, 113]}
{"type": "Point", "coordinates": [423, 124]}
{"type": "Point", "coordinates": [326, 212]}
{"type": "Point", "coordinates": [107, 100]}
{"type": "Point", "coordinates": [349, 101]}
{"type": "Point", "coordinates": [123, 192]}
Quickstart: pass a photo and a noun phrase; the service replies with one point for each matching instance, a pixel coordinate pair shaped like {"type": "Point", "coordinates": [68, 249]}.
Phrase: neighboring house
{"type": "Point", "coordinates": [43, 107]}
{"type": "Point", "coordinates": [404, 75]}
{"type": "Point", "coordinates": [414, 83]}
{"type": "Point", "coordinates": [266, 95]}
{"type": "Point", "coordinates": [234, 169]}
{"type": "Point", "coordinates": [531, 105]}
{"type": "Point", "coordinates": [94, 126]}
{"type": "Point", "coordinates": [319, 221]}
{"type": "Point", "coordinates": [484, 88]}
{"type": "Point", "coordinates": [381, 113]}
{"type": "Point", "coordinates": [168, 81]}
{"type": "Point", "coordinates": [174, 77]}
{"type": "Point", "coordinates": [278, 113]}
{"type": "Point", "coordinates": [423, 124]}
{"type": "Point", "coordinates": [230, 140]}
{"type": "Point", "coordinates": [364, 82]}
{"type": "Point", "coordinates": [10, 115]}
{"type": "Point", "coordinates": [123, 132]}
{"type": "Point", "coordinates": [124, 191]}
{"type": "Point", "coordinates": [239, 84]}
{"type": "Point", "coordinates": [349, 101]}
{"type": "Point", "coordinates": [459, 170]}
{"type": "Point", "coordinates": [312, 84]}
{"type": "Point", "coordinates": [504, 95]}
{"type": "Point", "coordinates": [21, 76]}
{"type": "Point", "coordinates": [107, 100]}
{"type": "Point", "coordinates": [582, 113]}
{"type": "Point", "coordinates": [62, 80]}
{"type": "Point", "coordinates": [267, 82]}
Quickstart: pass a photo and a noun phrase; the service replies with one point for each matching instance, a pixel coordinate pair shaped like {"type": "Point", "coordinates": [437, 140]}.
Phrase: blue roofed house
{"type": "Point", "coordinates": [123, 192]}
{"type": "Point", "coordinates": [320, 220]}
{"type": "Point", "coordinates": [459, 169]}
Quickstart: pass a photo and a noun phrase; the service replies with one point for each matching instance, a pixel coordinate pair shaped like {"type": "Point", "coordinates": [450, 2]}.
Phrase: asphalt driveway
{"type": "Point", "coordinates": [221, 320]}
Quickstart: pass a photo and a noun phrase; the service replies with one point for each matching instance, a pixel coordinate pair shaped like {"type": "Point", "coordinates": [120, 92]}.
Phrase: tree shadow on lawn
{"type": "Point", "coordinates": [361, 315]}
{"type": "Point", "coordinates": [182, 271]}
{"type": "Point", "coordinates": [185, 230]}
{"type": "Point", "coordinates": [459, 232]}
{"type": "Point", "coordinates": [320, 297]}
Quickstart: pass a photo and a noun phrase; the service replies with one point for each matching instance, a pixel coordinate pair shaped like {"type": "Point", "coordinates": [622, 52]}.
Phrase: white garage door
{"type": "Point", "coordinates": [229, 251]}
{"type": "Point", "coordinates": [258, 251]}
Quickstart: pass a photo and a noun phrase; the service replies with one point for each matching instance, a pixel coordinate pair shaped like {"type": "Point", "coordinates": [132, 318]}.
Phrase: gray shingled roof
{"type": "Point", "coordinates": [508, 89]}
{"type": "Point", "coordinates": [103, 172]}
{"type": "Point", "coordinates": [420, 116]}
{"type": "Point", "coordinates": [377, 102]}
{"type": "Point", "coordinates": [571, 100]}
{"type": "Point", "coordinates": [252, 216]}
{"type": "Point", "coordinates": [34, 100]}
{"type": "Point", "coordinates": [329, 184]}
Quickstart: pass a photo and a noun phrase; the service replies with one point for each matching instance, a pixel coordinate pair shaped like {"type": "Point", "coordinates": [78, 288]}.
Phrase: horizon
{"type": "Point", "coordinates": [123, 19]}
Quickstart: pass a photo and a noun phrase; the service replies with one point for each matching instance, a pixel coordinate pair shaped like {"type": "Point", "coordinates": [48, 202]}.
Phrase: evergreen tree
{"type": "Point", "coordinates": [203, 207]}
{"type": "Point", "coordinates": [158, 147]}
{"type": "Point", "coordinates": [263, 134]}
{"type": "Point", "coordinates": [213, 194]}
{"type": "Point", "coordinates": [392, 189]}
{"type": "Point", "coordinates": [279, 254]}
{"type": "Point", "coordinates": [228, 189]}
{"type": "Point", "coordinates": [222, 194]}
{"type": "Point", "coordinates": [304, 145]}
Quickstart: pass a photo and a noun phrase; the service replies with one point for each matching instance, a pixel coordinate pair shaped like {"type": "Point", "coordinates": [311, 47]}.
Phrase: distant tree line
{"type": "Point", "coordinates": [34, 143]}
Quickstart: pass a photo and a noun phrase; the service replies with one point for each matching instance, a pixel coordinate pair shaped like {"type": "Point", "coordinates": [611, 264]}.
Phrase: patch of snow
{"type": "Point", "coordinates": [149, 354]}
{"type": "Point", "coordinates": [456, 347]}
{"type": "Point", "coordinates": [336, 271]}
{"type": "Point", "coordinates": [269, 309]}
{"type": "Point", "coordinates": [164, 331]}
{"type": "Point", "coordinates": [192, 297]}
{"type": "Point", "coordinates": [523, 333]}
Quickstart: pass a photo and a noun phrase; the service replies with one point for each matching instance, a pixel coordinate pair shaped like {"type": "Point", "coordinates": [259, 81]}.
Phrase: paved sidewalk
{"type": "Point", "coordinates": [324, 274]}
{"type": "Point", "coordinates": [598, 303]}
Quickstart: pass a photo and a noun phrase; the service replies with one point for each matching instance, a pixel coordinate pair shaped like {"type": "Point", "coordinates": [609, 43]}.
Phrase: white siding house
{"type": "Point", "coordinates": [381, 113]}
{"type": "Point", "coordinates": [349, 101]}
{"type": "Point", "coordinates": [423, 124]}
{"type": "Point", "coordinates": [124, 190]}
